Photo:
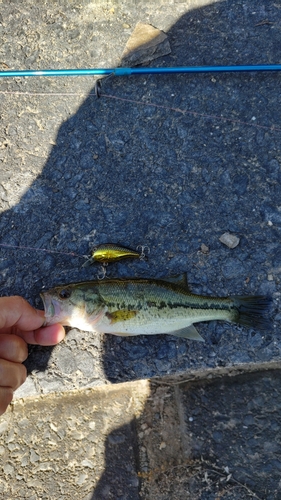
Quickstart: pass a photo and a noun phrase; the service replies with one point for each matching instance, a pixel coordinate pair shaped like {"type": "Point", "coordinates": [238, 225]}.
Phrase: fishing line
{"type": "Point", "coordinates": [194, 113]}
{"type": "Point", "coordinates": [272, 128]}
{"type": "Point", "coordinates": [73, 254]}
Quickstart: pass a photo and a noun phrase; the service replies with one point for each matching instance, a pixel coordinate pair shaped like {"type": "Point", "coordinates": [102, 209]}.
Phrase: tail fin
{"type": "Point", "coordinates": [252, 311]}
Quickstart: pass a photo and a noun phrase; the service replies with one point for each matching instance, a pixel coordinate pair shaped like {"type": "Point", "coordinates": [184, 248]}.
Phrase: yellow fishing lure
{"type": "Point", "coordinates": [109, 252]}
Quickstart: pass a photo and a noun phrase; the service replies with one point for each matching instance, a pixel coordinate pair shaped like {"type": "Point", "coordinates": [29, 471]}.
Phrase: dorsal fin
{"type": "Point", "coordinates": [179, 279]}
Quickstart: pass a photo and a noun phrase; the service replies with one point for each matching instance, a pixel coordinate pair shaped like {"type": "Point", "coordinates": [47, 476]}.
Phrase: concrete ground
{"type": "Point", "coordinates": [216, 438]}
{"type": "Point", "coordinates": [169, 162]}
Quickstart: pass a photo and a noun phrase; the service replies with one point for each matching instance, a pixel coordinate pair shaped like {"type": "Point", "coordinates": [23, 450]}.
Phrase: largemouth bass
{"type": "Point", "coordinates": [143, 306]}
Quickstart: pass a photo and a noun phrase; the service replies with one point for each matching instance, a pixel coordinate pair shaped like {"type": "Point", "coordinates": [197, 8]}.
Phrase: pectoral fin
{"type": "Point", "coordinates": [189, 332]}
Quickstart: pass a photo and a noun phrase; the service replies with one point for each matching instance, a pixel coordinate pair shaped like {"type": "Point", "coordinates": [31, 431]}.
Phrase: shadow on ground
{"type": "Point", "coordinates": [206, 440]}
{"type": "Point", "coordinates": [218, 438]}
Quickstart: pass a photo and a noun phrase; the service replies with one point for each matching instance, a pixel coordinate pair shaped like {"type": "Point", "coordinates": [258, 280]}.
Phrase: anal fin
{"type": "Point", "coordinates": [189, 332]}
{"type": "Point", "coordinates": [123, 334]}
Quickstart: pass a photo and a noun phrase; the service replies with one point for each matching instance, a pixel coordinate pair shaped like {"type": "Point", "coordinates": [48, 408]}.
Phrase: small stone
{"type": "Point", "coordinates": [10, 437]}
{"type": "Point", "coordinates": [81, 479]}
{"type": "Point", "coordinates": [87, 463]}
{"type": "Point", "coordinates": [230, 240]}
{"type": "Point", "coordinates": [25, 461]}
{"type": "Point", "coordinates": [145, 44]}
{"type": "Point", "coordinates": [78, 436]}
{"type": "Point", "coordinates": [162, 445]}
{"type": "Point", "coordinates": [45, 466]}
{"type": "Point", "coordinates": [9, 469]}
{"type": "Point", "coordinates": [34, 457]}
{"type": "Point", "coordinates": [270, 277]}
{"type": "Point", "coordinates": [3, 427]}
{"type": "Point", "coordinates": [204, 248]}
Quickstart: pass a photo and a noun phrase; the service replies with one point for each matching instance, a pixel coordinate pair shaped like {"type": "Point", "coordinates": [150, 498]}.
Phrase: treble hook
{"type": "Point", "coordinates": [102, 272]}
{"type": "Point", "coordinates": [142, 249]}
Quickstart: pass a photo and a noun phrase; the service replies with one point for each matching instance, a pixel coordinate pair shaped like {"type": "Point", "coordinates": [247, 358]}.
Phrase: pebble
{"type": "Point", "coordinates": [87, 463]}
{"type": "Point", "coordinates": [81, 479]}
{"type": "Point", "coordinates": [230, 240]}
{"type": "Point", "coordinates": [25, 461]}
{"type": "Point", "coordinates": [10, 437]}
{"type": "Point", "coordinates": [45, 466]}
{"type": "Point", "coordinates": [9, 469]}
{"type": "Point", "coordinates": [34, 457]}
{"type": "Point", "coordinates": [78, 436]}
{"type": "Point", "coordinates": [3, 427]}
{"type": "Point", "coordinates": [204, 248]}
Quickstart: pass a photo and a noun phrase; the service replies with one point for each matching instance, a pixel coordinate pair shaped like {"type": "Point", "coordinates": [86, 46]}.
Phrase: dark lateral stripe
{"type": "Point", "coordinates": [173, 305]}
{"type": "Point", "coordinates": [207, 306]}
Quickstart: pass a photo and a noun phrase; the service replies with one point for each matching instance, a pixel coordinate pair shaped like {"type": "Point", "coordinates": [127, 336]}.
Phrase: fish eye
{"type": "Point", "coordinates": [64, 294]}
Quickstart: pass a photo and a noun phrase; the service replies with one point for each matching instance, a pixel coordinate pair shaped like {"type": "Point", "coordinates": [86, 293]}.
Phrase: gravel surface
{"type": "Point", "coordinates": [60, 446]}
{"type": "Point", "coordinates": [77, 171]}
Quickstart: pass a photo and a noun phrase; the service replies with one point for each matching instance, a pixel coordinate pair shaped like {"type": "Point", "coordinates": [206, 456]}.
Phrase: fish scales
{"type": "Point", "coordinates": [162, 297]}
{"type": "Point", "coordinates": [143, 306]}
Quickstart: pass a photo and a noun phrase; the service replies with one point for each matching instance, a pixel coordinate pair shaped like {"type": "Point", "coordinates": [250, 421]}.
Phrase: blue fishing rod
{"type": "Point", "coordinates": [138, 71]}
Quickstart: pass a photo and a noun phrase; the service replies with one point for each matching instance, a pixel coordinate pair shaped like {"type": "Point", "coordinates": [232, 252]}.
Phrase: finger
{"type": "Point", "coordinates": [13, 348]}
{"type": "Point", "coordinates": [11, 374]}
{"type": "Point", "coordinates": [49, 335]}
{"type": "Point", "coordinates": [17, 313]}
{"type": "Point", "coordinates": [6, 396]}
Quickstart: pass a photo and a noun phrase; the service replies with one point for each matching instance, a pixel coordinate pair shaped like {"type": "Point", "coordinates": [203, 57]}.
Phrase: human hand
{"type": "Point", "coordinates": [20, 324]}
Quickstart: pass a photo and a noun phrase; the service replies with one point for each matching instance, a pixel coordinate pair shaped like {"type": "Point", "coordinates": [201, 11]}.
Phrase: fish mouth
{"type": "Point", "coordinates": [51, 309]}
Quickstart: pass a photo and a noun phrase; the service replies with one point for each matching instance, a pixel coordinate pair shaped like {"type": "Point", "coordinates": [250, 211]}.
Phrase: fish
{"type": "Point", "coordinates": [137, 306]}
{"type": "Point", "coordinates": [109, 252]}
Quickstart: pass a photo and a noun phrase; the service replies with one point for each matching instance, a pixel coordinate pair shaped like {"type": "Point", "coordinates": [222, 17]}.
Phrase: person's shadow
{"type": "Point", "coordinates": [126, 172]}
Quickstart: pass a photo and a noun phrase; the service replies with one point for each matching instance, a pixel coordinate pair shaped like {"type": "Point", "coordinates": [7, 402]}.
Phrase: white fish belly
{"type": "Point", "coordinates": [143, 325]}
